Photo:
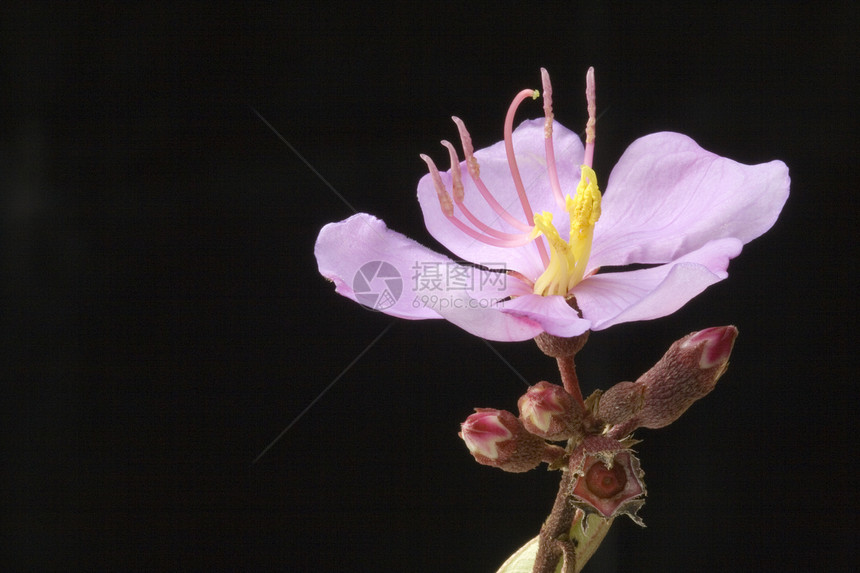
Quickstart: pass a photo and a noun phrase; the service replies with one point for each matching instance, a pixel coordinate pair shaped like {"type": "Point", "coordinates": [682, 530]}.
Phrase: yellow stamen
{"type": "Point", "coordinates": [568, 259]}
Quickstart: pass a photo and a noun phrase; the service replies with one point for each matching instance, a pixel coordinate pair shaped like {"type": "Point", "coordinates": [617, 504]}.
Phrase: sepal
{"type": "Point", "coordinates": [608, 478]}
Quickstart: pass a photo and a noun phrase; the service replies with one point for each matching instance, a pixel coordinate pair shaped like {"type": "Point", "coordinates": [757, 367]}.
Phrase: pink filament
{"type": "Point", "coordinates": [441, 192]}
{"type": "Point", "coordinates": [494, 237]}
{"type": "Point", "coordinates": [591, 99]}
{"type": "Point", "coordinates": [515, 172]}
{"type": "Point", "coordinates": [457, 185]}
{"type": "Point", "coordinates": [459, 196]}
{"type": "Point", "coordinates": [474, 172]}
{"type": "Point", "coordinates": [550, 150]}
{"type": "Point", "coordinates": [519, 241]}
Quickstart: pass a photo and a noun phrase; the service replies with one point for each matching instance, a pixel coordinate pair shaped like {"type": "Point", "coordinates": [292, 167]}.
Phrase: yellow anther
{"type": "Point", "coordinates": [568, 259]}
{"type": "Point", "coordinates": [555, 279]}
{"type": "Point", "coordinates": [584, 209]}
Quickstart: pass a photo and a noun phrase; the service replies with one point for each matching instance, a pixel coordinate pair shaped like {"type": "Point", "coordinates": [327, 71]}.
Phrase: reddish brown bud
{"type": "Point", "coordinates": [609, 479]}
{"type": "Point", "coordinates": [546, 410]}
{"type": "Point", "coordinates": [687, 372]}
{"type": "Point", "coordinates": [621, 402]}
{"type": "Point", "coordinates": [497, 438]}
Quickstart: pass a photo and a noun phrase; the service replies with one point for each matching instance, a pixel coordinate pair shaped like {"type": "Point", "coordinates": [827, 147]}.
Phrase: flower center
{"type": "Point", "coordinates": [568, 259]}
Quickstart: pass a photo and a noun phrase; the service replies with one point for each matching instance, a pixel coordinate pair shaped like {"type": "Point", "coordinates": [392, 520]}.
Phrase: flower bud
{"type": "Point", "coordinates": [621, 402]}
{"type": "Point", "coordinates": [687, 372]}
{"type": "Point", "coordinates": [497, 438]}
{"type": "Point", "coordinates": [609, 479]}
{"type": "Point", "coordinates": [548, 411]}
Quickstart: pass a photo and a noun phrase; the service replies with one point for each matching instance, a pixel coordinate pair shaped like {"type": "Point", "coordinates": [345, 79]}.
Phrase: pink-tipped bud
{"type": "Point", "coordinates": [716, 345]}
{"type": "Point", "coordinates": [497, 438]}
{"type": "Point", "coordinates": [687, 372]}
{"type": "Point", "coordinates": [546, 410]}
{"type": "Point", "coordinates": [609, 478]}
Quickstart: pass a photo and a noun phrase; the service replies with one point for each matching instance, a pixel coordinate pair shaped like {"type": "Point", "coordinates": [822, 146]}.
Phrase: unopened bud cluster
{"type": "Point", "coordinates": [597, 431]}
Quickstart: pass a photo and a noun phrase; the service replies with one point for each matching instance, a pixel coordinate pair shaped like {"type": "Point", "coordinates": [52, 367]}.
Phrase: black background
{"type": "Point", "coordinates": [163, 319]}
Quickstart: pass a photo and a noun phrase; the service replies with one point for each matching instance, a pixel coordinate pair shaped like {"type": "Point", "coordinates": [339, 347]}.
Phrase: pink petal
{"type": "Point", "coordinates": [390, 272]}
{"type": "Point", "coordinates": [485, 318]}
{"type": "Point", "coordinates": [552, 312]}
{"type": "Point", "coordinates": [612, 298]}
{"type": "Point", "coordinates": [495, 173]}
{"type": "Point", "coordinates": [667, 197]}
{"type": "Point", "coordinates": [343, 249]}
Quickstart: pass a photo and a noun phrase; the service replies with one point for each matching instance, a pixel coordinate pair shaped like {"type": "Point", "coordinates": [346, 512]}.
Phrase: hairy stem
{"type": "Point", "coordinates": [555, 530]}
{"type": "Point", "coordinates": [567, 368]}
{"type": "Point", "coordinates": [569, 536]}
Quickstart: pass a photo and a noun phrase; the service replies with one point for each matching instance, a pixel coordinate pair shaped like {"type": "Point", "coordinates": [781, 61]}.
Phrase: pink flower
{"type": "Point", "coordinates": [539, 229]}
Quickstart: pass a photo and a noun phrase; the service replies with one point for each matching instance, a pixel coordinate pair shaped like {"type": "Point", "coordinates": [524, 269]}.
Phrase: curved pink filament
{"type": "Point", "coordinates": [441, 192]}
{"type": "Point", "coordinates": [521, 277]}
{"type": "Point", "coordinates": [486, 228]}
{"type": "Point", "coordinates": [457, 182]}
{"type": "Point", "coordinates": [459, 196]}
{"type": "Point", "coordinates": [474, 172]}
{"type": "Point", "coordinates": [515, 241]}
{"type": "Point", "coordinates": [493, 237]}
{"type": "Point", "coordinates": [512, 164]}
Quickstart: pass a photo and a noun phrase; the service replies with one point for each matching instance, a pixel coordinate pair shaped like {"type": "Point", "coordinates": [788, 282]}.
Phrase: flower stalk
{"type": "Point", "coordinates": [567, 369]}
{"type": "Point", "coordinates": [555, 535]}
